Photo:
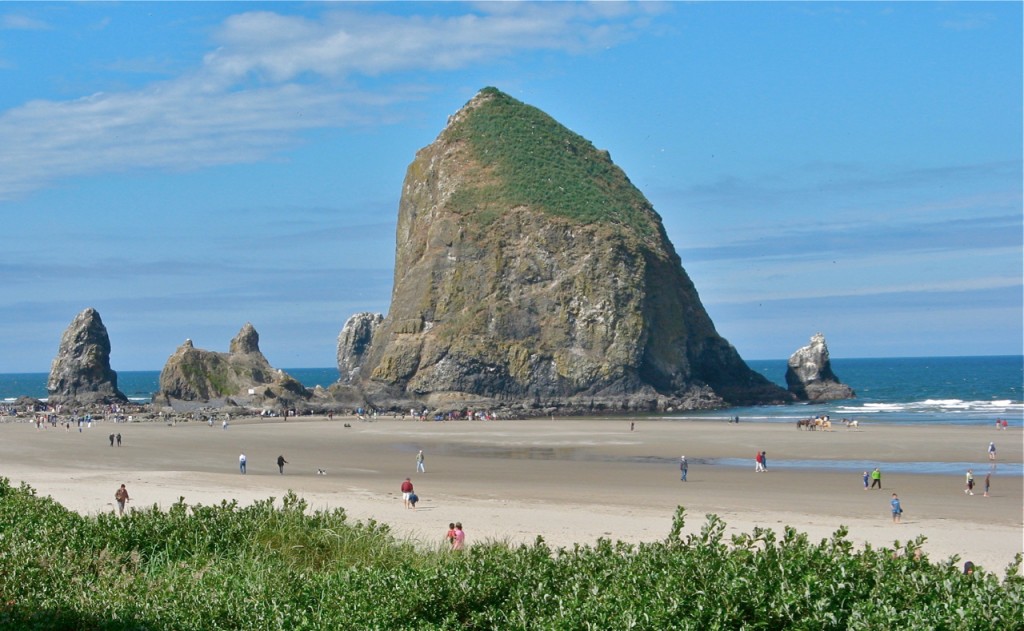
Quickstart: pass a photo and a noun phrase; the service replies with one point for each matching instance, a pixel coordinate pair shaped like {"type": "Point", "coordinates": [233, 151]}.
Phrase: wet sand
{"type": "Point", "coordinates": [569, 481]}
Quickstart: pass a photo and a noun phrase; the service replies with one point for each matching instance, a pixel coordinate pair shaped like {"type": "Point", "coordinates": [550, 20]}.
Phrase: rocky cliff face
{"type": "Point", "coordinates": [353, 342]}
{"type": "Point", "coordinates": [809, 374]}
{"type": "Point", "coordinates": [528, 269]}
{"type": "Point", "coordinates": [193, 374]}
{"type": "Point", "coordinates": [81, 371]}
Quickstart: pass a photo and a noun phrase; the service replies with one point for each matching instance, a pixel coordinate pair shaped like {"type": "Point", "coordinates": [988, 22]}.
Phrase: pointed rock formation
{"type": "Point", "coordinates": [353, 341]}
{"type": "Point", "coordinates": [530, 271]}
{"type": "Point", "coordinates": [81, 371]}
{"type": "Point", "coordinates": [810, 377]}
{"type": "Point", "coordinates": [193, 374]}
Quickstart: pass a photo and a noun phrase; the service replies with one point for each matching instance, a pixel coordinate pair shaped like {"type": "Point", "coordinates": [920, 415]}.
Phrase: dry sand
{"type": "Point", "coordinates": [569, 481]}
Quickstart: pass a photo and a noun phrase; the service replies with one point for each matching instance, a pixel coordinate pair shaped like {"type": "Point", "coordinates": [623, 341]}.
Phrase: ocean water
{"type": "Point", "coordinates": [944, 390]}
{"type": "Point", "coordinates": [139, 385]}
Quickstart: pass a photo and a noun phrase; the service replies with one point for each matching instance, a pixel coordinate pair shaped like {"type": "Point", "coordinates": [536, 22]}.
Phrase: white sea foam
{"type": "Point", "coordinates": [871, 408]}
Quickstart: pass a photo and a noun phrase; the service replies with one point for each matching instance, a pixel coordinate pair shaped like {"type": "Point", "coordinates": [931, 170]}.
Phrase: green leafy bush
{"type": "Point", "coordinates": [284, 567]}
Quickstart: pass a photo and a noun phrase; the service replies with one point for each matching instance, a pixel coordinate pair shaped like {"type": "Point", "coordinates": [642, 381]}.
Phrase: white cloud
{"type": "Point", "coordinates": [279, 47]}
{"type": "Point", "coordinates": [218, 114]}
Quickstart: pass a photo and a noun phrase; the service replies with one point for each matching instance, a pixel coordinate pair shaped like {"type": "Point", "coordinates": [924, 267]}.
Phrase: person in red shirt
{"type": "Point", "coordinates": [450, 536]}
{"type": "Point", "coordinates": [406, 491]}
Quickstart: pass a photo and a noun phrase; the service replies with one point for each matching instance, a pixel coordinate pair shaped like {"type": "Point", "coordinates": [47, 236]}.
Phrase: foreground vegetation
{"type": "Point", "coordinates": [266, 567]}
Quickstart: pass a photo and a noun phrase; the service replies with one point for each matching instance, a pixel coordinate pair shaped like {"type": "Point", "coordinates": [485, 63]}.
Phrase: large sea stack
{"type": "Point", "coordinates": [81, 373]}
{"type": "Point", "coordinates": [530, 272]}
{"type": "Point", "coordinates": [242, 376]}
{"type": "Point", "coordinates": [809, 374]}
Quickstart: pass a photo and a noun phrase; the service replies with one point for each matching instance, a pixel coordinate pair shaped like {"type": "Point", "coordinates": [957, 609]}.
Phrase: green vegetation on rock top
{"type": "Point", "coordinates": [535, 161]}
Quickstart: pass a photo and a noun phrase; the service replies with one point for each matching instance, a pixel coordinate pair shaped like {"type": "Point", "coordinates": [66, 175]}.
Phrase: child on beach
{"type": "Point", "coordinates": [450, 535]}
{"type": "Point", "coordinates": [897, 510]}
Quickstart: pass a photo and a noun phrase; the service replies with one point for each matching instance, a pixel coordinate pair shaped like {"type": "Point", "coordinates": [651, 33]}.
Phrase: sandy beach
{"type": "Point", "coordinates": [567, 480]}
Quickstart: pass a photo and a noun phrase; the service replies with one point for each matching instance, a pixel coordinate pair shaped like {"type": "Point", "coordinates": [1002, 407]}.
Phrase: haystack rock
{"type": "Point", "coordinates": [81, 371]}
{"type": "Point", "coordinates": [810, 377]}
{"type": "Point", "coordinates": [242, 375]}
{"type": "Point", "coordinates": [530, 272]}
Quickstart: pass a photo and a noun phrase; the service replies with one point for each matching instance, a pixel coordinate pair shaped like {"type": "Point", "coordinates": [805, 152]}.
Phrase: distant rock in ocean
{"type": "Point", "coordinates": [810, 377]}
{"type": "Point", "coordinates": [531, 273]}
{"type": "Point", "coordinates": [81, 371]}
{"type": "Point", "coordinates": [241, 376]}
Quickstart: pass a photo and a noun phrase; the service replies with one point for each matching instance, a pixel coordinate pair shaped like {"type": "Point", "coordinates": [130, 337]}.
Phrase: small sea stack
{"type": "Point", "coordinates": [809, 374]}
{"type": "Point", "coordinates": [241, 376]}
{"type": "Point", "coordinates": [81, 373]}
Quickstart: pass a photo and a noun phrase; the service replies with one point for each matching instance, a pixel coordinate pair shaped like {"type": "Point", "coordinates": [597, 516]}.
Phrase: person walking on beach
{"type": "Point", "coordinates": [897, 510]}
{"type": "Point", "coordinates": [991, 451]}
{"type": "Point", "coordinates": [876, 479]}
{"type": "Point", "coordinates": [281, 462]}
{"type": "Point", "coordinates": [866, 480]}
{"type": "Point", "coordinates": [406, 491]}
{"type": "Point", "coordinates": [241, 463]}
{"type": "Point", "coordinates": [420, 468]}
{"type": "Point", "coordinates": [121, 497]}
{"type": "Point", "coordinates": [682, 468]}
{"type": "Point", "coordinates": [119, 439]}
{"type": "Point", "coordinates": [111, 440]}
{"type": "Point", "coordinates": [988, 482]}
{"type": "Point", "coordinates": [413, 498]}
{"type": "Point", "coordinates": [758, 465]}
{"type": "Point", "coordinates": [764, 461]}
{"type": "Point", "coordinates": [459, 540]}
{"type": "Point", "coordinates": [969, 486]}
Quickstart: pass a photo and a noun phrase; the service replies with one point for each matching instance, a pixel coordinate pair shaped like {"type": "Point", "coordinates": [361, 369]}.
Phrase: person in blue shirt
{"type": "Point", "coordinates": [897, 510]}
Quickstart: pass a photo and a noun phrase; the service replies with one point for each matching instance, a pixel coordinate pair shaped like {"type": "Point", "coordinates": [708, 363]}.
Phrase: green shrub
{"type": "Point", "coordinates": [281, 566]}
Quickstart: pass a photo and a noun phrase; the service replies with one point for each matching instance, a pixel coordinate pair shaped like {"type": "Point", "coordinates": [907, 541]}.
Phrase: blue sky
{"type": "Point", "coordinates": [184, 168]}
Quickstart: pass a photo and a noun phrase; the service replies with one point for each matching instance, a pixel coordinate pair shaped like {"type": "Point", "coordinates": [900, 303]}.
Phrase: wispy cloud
{"type": "Point", "coordinates": [970, 22]}
{"type": "Point", "coordinates": [867, 238]}
{"type": "Point", "coordinates": [176, 125]}
{"type": "Point", "coordinates": [271, 77]}
{"type": "Point", "coordinates": [17, 22]}
{"type": "Point", "coordinates": [280, 48]}
{"type": "Point", "coordinates": [947, 288]}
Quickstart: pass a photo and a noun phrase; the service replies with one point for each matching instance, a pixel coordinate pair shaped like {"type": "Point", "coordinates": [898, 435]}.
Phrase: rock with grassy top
{"type": "Point", "coordinates": [530, 272]}
{"type": "Point", "coordinates": [242, 375]}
